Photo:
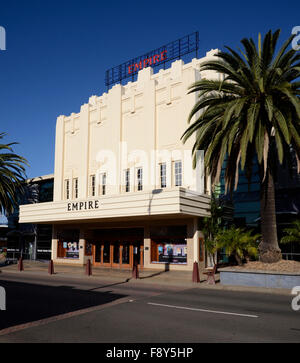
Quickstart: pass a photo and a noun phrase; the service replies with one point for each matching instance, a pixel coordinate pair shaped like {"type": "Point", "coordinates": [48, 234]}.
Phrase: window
{"type": "Point", "coordinates": [68, 244]}
{"type": "Point", "coordinates": [163, 175]}
{"type": "Point", "coordinates": [139, 177]}
{"type": "Point", "coordinates": [67, 189]}
{"type": "Point", "coordinates": [103, 184]}
{"type": "Point", "coordinates": [75, 186]}
{"type": "Point", "coordinates": [92, 185]}
{"type": "Point", "coordinates": [177, 167]}
{"type": "Point", "coordinates": [168, 244]}
{"type": "Point", "coordinates": [127, 180]}
{"type": "Point", "coordinates": [169, 250]}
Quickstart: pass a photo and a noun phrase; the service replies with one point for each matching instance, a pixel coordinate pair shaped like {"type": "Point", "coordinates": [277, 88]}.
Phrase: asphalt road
{"type": "Point", "coordinates": [47, 309]}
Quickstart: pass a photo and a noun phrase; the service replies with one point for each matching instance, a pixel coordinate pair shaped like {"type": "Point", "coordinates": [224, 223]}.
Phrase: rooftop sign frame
{"type": "Point", "coordinates": [157, 57]}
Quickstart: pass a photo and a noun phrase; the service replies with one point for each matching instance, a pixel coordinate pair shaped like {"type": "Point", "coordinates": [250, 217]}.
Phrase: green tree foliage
{"type": "Point", "coordinates": [292, 234]}
{"type": "Point", "coordinates": [238, 242]}
{"type": "Point", "coordinates": [211, 226]}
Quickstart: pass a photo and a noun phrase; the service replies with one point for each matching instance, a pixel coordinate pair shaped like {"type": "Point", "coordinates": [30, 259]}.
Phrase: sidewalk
{"type": "Point", "coordinates": [149, 276]}
{"type": "Point", "coordinates": [171, 278]}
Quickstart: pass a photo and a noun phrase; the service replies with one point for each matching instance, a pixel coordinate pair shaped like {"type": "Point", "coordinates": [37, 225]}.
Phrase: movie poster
{"type": "Point", "coordinates": [72, 249]}
{"type": "Point", "coordinates": [172, 253]}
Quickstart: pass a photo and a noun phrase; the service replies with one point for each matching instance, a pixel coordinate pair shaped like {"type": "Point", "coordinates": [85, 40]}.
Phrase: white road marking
{"type": "Point", "coordinates": [203, 310]}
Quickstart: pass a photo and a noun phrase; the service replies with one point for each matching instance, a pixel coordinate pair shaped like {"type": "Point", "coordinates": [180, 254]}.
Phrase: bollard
{"type": "Point", "coordinates": [88, 268]}
{"type": "Point", "coordinates": [20, 264]}
{"type": "Point", "coordinates": [51, 268]}
{"type": "Point", "coordinates": [196, 273]}
{"type": "Point", "coordinates": [135, 271]}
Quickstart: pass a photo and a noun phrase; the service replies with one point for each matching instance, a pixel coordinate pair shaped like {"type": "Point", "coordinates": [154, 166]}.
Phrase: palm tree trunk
{"type": "Point", "coordinates": [269, 250]}
{"type": "Point", "coordinates": [238, 259]}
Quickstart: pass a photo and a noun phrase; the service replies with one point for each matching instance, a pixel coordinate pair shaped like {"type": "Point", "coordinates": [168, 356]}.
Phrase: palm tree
{"type": "Point", "coordinates": [210, 227]}
{"type": "Point", "coordinates": [12, 174]}
{"type": "Point", "coordinates": [238, 242]}
{"type": "Point", "coordinates": [252, 115]}
{"type": "Point", "coordinates": [292, 233]}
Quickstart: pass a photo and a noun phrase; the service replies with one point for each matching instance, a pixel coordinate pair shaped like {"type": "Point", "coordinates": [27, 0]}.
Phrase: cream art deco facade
{"type": "Point", "coordinates": [125, 190]}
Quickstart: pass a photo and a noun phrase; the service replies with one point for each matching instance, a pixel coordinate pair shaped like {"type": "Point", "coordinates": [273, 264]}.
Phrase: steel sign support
{"type": "Point", "coordinates": [157, 57]}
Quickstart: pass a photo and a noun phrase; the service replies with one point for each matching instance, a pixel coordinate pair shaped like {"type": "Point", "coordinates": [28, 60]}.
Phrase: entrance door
{"type": "Point", "coordinates": [97, 253]}
{"type": "Point", "coordinates": [106, 253]}
{"type": "Point", "coordinates": [102, 253]}
{"type": "Point", "coordinates": [126, 252]}
{"type": "Point", "coordinates": [118, 253]}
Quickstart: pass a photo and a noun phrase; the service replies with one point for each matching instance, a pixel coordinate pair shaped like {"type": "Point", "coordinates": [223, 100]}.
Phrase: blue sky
{"type": "Point", "coordinates": [58, 51]}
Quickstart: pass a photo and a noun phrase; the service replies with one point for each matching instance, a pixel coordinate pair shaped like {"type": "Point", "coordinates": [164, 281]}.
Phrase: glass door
{"type": "Point", "coordinates": [97, 255]}
{"type": "Point", "coordinates": [118, 253]}
{"type": "Point", "coordinates": [106, 253]}
{"type": "Point", "coordinates": [125, 253]}
{"type": "Point", "coordinates": [116, 246]}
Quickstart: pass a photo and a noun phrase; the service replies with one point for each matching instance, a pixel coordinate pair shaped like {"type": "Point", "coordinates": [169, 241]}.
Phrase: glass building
{"type": "Point", "coordinates": [246, 203]}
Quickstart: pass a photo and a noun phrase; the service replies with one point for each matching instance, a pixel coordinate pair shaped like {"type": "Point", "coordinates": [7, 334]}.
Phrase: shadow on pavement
{"type": "Point", "coordinates": [27, 302]}
{"type": "Point", "coordinates": [110, 285]}
{"type": "Point", "coordinates": [167, 269]}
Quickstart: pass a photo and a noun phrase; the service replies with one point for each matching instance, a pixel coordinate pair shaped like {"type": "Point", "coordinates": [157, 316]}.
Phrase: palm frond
{"type": "Point", "coordinates": [12, 177]}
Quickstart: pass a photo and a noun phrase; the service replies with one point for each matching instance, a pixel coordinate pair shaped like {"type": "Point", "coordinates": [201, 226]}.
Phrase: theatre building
{"type": "Point", "coordinates": [125, 189]}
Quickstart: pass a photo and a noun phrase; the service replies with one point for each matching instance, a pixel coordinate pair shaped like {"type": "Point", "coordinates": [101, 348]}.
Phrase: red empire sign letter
{"type": "Point", "coordinates": [129, 69]}
{"type": "Point", "coordinates": [163, 55]}
{"type": "Point", "coordinates": [155, 58]}
{"type": "Point", "coordinates": [138, 65]}
{"type": "Point", "coordinates": [146, 61]}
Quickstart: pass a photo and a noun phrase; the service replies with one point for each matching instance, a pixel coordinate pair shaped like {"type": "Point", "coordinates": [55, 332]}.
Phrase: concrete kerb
{"type": "Point", "coordinates": [145, 276]}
